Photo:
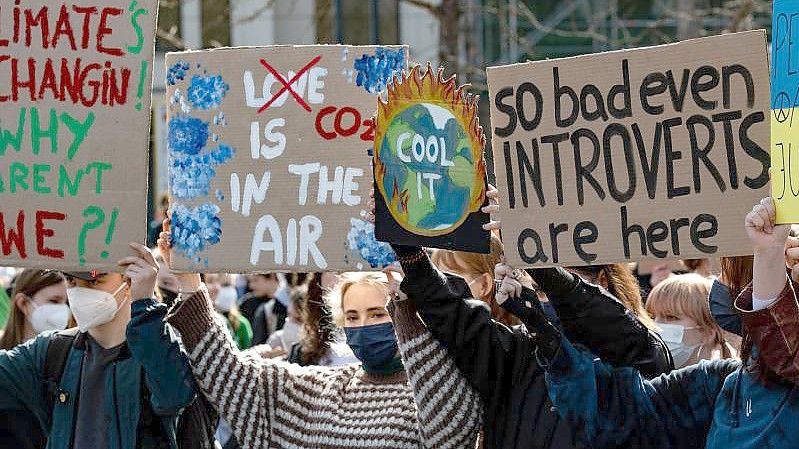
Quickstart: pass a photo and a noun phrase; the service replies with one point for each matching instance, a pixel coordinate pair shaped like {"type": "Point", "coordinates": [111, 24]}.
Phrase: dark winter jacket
{"type": "Point", "coordinates": [500, 362]}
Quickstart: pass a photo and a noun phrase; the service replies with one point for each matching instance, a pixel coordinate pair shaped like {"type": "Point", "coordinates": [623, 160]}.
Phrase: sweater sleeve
{"type": "Point", "coordinates": [256, 396]}
{"type": "Point", "coordinates": [619, 408]}
{"type": "Point", "coordinates": [226, 376]}
{"type": "Point", "coordinates": [449, 410]}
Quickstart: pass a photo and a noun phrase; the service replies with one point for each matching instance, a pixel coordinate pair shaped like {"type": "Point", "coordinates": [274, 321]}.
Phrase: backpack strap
{"type": "Point", "coordinates": [54, 363]}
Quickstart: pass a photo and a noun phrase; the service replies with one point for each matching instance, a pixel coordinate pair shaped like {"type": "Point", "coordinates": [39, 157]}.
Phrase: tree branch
{"type": "Point", "coordinates": [426, 5]}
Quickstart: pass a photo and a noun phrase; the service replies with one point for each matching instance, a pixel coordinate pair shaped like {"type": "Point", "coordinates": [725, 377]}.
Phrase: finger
{"type": "Point", "coordinates": [755, 220]}
{"type": "Point", "coordinates": [494, 225]}
{"type": "Point", "coordinates": [490, 209]}
{"type": "Point", "coordinates": [129, 260]}
{"type": "Point", "coordinates": [502, 270]}
{"type": "Point", "coordinates": [166, 225]}
{"type": "Point", "coordinates": [764, 216]}
{"type": "Point", "coordinates": [144, 253]}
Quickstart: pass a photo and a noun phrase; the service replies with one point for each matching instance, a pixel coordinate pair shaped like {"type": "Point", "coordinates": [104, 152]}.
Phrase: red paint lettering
{"type": "Point", "coordinates": [327, 135]}
{"type": "Point", "coordinates": [369, 134]}
{"type": "Point", "coordinates": [40, 20]}
{"type": "Point", "coordinates": [42, 232]}
{"type": "Point", "coordinates": [14, 237]}
{"type": "Point", "coordinates": [104, 31]}
{"type": "Point", "coordinates": [87, 12]}
{"type": "Point", "coordinates": [63, 27]}
{"type": "Point", "coordinates": [356, 122]}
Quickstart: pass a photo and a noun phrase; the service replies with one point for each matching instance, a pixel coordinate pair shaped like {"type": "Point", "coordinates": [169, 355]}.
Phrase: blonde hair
{"type": "Point", "coordinates": [335, 296]}
{"type": "Point", "coordinates": [474, 265]}
{"type": "Point", "coordinates": [687, 295]}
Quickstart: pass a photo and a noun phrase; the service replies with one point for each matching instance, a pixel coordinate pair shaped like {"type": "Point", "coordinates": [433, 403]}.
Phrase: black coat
{"type": "Point", "coordinates": [500, 362]}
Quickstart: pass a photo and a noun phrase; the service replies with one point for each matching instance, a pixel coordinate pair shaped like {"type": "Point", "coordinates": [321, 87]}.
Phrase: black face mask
{"type": "Point", "coordinates": [168, 296]}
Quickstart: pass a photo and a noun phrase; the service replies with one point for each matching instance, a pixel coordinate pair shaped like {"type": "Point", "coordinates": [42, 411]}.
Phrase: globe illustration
{"type": "Point", "coordinates": [427, 169]}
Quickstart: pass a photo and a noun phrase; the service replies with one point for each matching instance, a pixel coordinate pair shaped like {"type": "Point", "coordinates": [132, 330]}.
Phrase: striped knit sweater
{"type": "Point", "coordinates": [273, 404]}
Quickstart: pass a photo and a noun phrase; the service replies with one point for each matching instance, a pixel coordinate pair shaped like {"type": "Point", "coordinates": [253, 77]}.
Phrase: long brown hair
{"type": "Point", "coordinates": [28, 283]}
{"type": "Point", "coordinates": [319, 328]}
{"type": "Point", "coordinates": [623, 285]}
{"type": "Point", "coordinates": [474, 265]}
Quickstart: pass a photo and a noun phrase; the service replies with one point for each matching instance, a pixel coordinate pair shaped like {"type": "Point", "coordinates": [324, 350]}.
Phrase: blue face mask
{"type": "Point", "coordinates": [376, 347]}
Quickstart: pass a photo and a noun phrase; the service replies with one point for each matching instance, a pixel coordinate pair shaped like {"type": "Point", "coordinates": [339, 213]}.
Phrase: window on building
{"type": "Point", "coordinates": [353, 21]}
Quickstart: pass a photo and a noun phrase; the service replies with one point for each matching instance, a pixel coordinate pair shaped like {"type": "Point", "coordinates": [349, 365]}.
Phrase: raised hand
{"type": "Point", "coordinates": [142, 271]}
{"type": "Point", "coordinates": [763, 232]}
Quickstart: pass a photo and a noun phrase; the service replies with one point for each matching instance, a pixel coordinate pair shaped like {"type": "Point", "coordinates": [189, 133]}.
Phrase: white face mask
{"type": "Point", "coordinates": [49, 317]}
{"type": "Point", "coordinates": [673, 335]}
{"type": "Point", "coordinates": [290, 335]}
{"type": "Point", "coordinates": [226, 298]}
{"type": "Point", "coordinates": [92, 307]}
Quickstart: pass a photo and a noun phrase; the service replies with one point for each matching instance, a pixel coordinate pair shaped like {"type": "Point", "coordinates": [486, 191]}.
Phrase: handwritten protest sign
{"type": "Point", "coordinates": [784, 105]}
{"type": "Point", "coordinates": [75, 81]}
{"type": "Point", "coordinates": [430, 175]}
{"type": "Point", "coordinates": [622, 156]}
{"type": "Point", "coordinates": [270, 156]}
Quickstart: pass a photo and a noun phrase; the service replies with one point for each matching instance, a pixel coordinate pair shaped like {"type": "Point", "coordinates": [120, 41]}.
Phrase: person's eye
{"type": "Point", "coordinates": [378, 315]}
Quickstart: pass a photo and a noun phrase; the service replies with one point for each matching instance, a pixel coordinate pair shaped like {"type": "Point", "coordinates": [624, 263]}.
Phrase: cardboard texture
{"type": "Point", "coordinates": [75, 82]}
{"type": "Point", "coordinates": [648, 153]}
{"type": "Point", "coordinates": [270, 152]}
{"type": "Point", "coordinates": [784, 105]}
{"type": "Point", "coordinates": [430, 173]}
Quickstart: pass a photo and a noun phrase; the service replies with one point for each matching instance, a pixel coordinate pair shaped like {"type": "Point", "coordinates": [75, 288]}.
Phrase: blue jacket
{"type": "Point", "coordinates": [152, 347]}
{"type": "Point", "coordinates": [712, 405]}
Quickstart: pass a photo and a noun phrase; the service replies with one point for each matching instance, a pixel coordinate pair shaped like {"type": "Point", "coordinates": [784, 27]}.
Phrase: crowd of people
{"type": "Point", "coordinates": [444, 349]}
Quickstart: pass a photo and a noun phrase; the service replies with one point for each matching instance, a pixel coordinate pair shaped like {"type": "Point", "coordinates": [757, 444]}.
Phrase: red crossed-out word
{"type": "Point", "coordinates": [287, 84]}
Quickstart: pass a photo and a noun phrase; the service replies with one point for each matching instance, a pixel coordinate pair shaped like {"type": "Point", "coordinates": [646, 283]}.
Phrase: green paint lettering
{"type": "Point", "coordinates": [64, 181]}
{"type": "Point", "coordinates": [134, 21]}
{"type": "Point", "coordinates": [79, 130]}
{"type": "Point", "coordinates": [15, 140]}
{"type": "Point", "coordinates": [99, 167]}
{"type": "Point", "coordinates": [18, 174]}
{"type": "Point", "coordinates": [39, 181]}
{"type": "Point", "coordinates": [37, 133]}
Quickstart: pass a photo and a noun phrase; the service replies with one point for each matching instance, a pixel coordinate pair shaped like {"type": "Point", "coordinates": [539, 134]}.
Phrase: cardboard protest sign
{"type": "Point", "coordinates": [784, 105]}
{"type": "Point", "coordinates": [270, 157]}
{"type": "Point", "coordinates": [430, 174]}
{"type": "Point", "coordinates": [75, 81]}
{"type": "Point", "coordinates": [648, 153]}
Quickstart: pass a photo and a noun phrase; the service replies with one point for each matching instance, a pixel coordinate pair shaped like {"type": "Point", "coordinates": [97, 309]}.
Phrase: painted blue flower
{"type": "Point", "coordinates": [177, 72]}
{"type": "Point", "coordinates": [207, 92]}
{"type": "Point", "coordinates": [376, 72]}
{"type": "Point", "coordinates": [190, 175]}
{"type": "Point", "coordinates": [187, 135]}
{"type": "Point", "coordinates": [194, 230]}
{"type": "Point", "coordinates": [361, 240]}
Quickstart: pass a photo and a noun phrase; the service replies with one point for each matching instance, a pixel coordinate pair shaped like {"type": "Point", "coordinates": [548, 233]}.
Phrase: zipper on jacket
{"type": "Point", "coordinates": [116, 404]}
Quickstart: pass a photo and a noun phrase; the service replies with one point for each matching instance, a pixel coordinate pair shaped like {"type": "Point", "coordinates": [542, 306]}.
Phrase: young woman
{"type": "Point", "coordinates": [713, 405]}
{"type": "Point", "coordinates": [680, 308]}
{"type": "Point", "coordinates": [275, 404]}
{"type": "Point", "coordinates": [478, 272]}
{"type": "Point", "coordinates": [39, 303]}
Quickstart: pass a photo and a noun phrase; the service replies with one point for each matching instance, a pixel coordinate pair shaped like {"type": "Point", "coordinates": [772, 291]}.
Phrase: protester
{"type": "Point", "coordinates": [222, 291]}
{"type": "Point", "coordinates": [281, 341]}
{"type": "Point", "coordinates": [125, 378]}
{"type": "Point", "coordinates": [500, 362]}
{"type": "Point", "coordinates": [716, 404]}
{"type": "Point", "coordinates": [266, 306]}
{"type": "Point", "coordinates": [39, 304]}
{"type": "Point", "coordinates": [478, 272]}
{"type": "Point", "coordinates": [377, 403]}
{"type": "Point", "coordinates": [680, 308]}
{"type": "Point", "coordinates": [321, 341]}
